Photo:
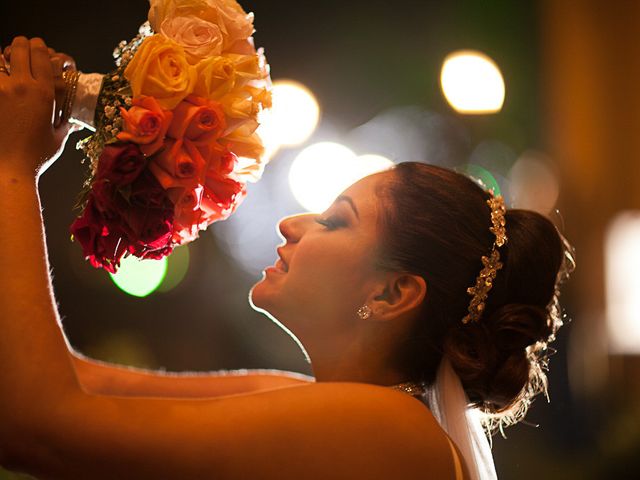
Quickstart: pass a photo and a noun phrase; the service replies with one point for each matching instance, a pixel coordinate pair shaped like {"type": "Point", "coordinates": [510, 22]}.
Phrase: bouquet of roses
{"type": "Point", "coordinates": [174, 141]}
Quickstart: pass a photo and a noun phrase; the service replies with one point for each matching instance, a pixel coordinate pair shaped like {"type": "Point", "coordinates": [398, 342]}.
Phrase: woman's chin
{"type": "Point", "coordinates": [258, 297]}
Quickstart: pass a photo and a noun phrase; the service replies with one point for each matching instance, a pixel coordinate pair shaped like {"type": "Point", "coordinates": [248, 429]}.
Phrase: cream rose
{"type": "Point", "coordinates": [199, 38]}
{"type": "Point", "coordinates": [238, 23]}
{"type": "Point", "coordinates": [159, 69]}
{"type": "Point", "coordinates": [234, 23]}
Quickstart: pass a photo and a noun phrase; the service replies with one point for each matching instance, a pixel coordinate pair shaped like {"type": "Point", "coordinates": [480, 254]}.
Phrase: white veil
{"type": "Point", "coordinates": [448, 404]}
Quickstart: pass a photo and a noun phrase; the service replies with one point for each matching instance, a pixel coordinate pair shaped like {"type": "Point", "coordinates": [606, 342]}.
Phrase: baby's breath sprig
{"type": "Point", "coordinates": [115, 93]}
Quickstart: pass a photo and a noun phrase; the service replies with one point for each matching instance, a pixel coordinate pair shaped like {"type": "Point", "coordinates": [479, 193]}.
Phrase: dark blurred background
{"type": "Point", "coordinates": [571, 70]}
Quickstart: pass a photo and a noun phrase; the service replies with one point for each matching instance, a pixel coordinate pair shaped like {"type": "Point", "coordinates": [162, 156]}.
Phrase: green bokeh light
{"type": "Point", "coordinates": [178, 265]}
{"type": "Point", "coordinates": [140, 278]}
{"type": "Point", "coordinates": [482, 176]}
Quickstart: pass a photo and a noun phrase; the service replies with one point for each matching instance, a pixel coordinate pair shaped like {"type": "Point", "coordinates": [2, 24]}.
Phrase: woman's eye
{"type": "Point", "coordinates": [329, 223]}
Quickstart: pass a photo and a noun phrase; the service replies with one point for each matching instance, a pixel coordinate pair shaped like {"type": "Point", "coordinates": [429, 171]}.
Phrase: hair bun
{"type": "Point", "coordinates": [490, 355]}
{"type": "Point", "coordinates": [515, 326]}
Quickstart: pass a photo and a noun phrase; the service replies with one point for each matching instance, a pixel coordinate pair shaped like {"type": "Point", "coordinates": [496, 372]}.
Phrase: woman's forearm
{"type": "Point", "coordinates": [33, 353]}
{"type": "Point", "coordinates": [108, 379]}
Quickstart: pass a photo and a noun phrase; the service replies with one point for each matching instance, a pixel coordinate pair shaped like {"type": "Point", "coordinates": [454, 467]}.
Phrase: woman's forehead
{"type": "Point", "coordinates": [366, 197]}
{"type": "Point", "coordinates": [367, 188]}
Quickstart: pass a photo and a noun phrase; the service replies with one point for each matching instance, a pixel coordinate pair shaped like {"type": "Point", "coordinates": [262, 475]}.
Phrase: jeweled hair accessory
{"type": "Point", "coordinates": [491, 264]}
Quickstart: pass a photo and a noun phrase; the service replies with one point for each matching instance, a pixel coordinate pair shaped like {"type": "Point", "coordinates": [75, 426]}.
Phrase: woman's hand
{"type": "Point", "coordinates": [59, 62]}
{"type": "Point", "coordinates": [29, 141]}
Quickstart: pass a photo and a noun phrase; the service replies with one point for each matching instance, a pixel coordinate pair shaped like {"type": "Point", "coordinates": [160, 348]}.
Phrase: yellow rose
{"type": "Point", "coordinates": [248, 67]}
{"type": "Point", "coordinates": [216, 77]}
{"type": "Point", "coordinates": [245, 142]}
{"type": "Point", "coordinates": [160, 70]}
{"type": "Point", "coordinates": [246, 102]}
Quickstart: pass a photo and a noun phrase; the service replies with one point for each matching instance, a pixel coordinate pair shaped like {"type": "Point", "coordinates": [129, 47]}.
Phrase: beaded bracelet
{"type": "Point", "coordinates": [70, 78]}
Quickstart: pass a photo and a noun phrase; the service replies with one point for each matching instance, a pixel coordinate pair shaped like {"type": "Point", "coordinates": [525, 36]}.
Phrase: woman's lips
{"type": "Point", "coordinates": [280, 265]}
{"type": "Point", "coordinates": [281, 262]}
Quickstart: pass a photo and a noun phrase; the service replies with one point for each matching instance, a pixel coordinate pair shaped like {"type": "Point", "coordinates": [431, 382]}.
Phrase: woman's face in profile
{"type": "Point", "coordinates": [325, 265]}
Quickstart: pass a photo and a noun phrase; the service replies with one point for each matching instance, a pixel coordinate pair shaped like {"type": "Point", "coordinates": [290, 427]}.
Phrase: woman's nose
{"type": "Point", "coordinates": [292, 228]}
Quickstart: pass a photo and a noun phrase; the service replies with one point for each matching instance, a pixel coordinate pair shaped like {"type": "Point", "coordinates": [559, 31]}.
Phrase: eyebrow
{"type": "Point", "coordinates": [349, 200]}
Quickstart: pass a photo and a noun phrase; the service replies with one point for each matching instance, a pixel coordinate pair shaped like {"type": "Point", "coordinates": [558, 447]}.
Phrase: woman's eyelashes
{"type": "Point", "coordinates": [331, 222]}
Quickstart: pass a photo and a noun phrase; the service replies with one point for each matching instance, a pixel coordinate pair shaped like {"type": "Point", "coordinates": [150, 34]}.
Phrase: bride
{"type": "Point", "coordinates": [415, 289]}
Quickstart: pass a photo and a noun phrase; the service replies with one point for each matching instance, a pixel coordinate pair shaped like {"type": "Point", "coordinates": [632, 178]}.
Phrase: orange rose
{"type": "Point", "coordinates": [221, 197]}
{"type": "Point", "coordinates": [146, 124]}
{"type": "Point", "coordinates": [180, 164]}
{"type": "Point", "coordinates": [160, 69]}
{"type": "Point", "coordinates": [198, 119]}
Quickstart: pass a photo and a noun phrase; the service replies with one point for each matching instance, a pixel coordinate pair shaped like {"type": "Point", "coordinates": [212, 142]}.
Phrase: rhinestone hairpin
{"type": "Point", "coordinates": [491, 264]}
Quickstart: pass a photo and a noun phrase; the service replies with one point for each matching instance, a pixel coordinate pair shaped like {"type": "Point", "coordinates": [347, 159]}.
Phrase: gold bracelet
{"type": "Point", "coordinates": [70, 78]}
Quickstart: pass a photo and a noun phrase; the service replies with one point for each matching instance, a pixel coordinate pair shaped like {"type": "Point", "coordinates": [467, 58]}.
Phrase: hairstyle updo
{"type": "Point", "coordinates": [436, 224]}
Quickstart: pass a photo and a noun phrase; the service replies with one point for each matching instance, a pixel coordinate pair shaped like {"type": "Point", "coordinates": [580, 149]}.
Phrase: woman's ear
{"type": "Point", "coordinates": [400, 293]}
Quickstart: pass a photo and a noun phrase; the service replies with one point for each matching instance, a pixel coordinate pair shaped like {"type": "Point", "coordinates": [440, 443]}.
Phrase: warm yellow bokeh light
{"type": "Point", "coordinates": [292, 119]}
{"type": "Point", "coordinates": [472, 83]}
{"type": "Point", "coordinates": [323, 170]}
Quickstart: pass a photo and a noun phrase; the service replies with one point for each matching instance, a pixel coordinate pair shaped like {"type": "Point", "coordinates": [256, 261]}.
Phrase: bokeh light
{"type": "Point", "coordinates": [534, 184]}
{"type": "Point", "coordinates": [177, 268]}
{"type": "Point", "coordinates": [412, 133]}
{"type": "Point", "coordinates": [323, 170]}
{"type": "Point", "coordinates": [317, 175]}
{"type": "Point", "coordinates": [481, 176]}
{"type": "Point", "coordinates": [292, 119]}
{"type": "Point", "coordinates": [249, 236]}
{"type": "Point", "coordinates": [140, 278]}
{"type": "Point", "coordinates": [472, 83]}
{"type": "Point", "coordinates": [622, 270]}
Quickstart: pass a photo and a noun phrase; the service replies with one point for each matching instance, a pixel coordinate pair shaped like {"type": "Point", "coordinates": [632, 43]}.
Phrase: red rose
{"type": "Point", "coordinates": [150, 229]}
{"type": "Point", "coordinates": [146, 124]}
{"type": "Point", "coordinates": [147, 217]}
{"type": "Point", "coordinates": [101, 243]}
{"type": "Point", "coordinates": [158, 254]}
{"type": "Point", "coordinates": [120, 164]}
{"type": "Point", "coordinates": [146, 191]}
{"type": "Point", "coordinates": [198, 119]}
{"type": "Point", "coordinates": [105, 194]}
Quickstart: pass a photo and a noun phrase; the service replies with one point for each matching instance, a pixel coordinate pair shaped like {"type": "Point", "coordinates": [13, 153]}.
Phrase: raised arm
{"type": "Point", "coordinates": [109, 379]}
{"type": "Point", "coordinates": [51, 427]}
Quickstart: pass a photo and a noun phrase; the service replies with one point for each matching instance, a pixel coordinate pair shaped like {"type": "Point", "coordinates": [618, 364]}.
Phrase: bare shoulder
{"type": "Point", "coordinates": [367, 402]}
{"type": "Point", "coordinates": [359, 430]}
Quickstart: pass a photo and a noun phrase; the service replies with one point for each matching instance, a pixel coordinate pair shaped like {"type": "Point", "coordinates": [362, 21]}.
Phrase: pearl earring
{"type": "Point", "coordinates": [365, 312]}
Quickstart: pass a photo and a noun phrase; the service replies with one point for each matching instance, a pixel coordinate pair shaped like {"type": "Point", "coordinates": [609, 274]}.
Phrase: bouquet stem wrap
{"type": "Point", "coordinates": [86, 100]}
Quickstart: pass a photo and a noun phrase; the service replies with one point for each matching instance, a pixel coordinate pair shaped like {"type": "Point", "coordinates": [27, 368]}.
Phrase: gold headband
{"type": "Point", "coordinates": [492, 263]}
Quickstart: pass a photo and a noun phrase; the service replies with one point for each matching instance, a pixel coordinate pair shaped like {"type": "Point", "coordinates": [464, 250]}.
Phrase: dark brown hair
{"type": "Point", "coordinates": [436, 224]}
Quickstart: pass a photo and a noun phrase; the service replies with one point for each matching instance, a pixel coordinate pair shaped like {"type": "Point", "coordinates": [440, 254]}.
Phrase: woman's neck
{"type": "Point", "coordinates": [355, 368]}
